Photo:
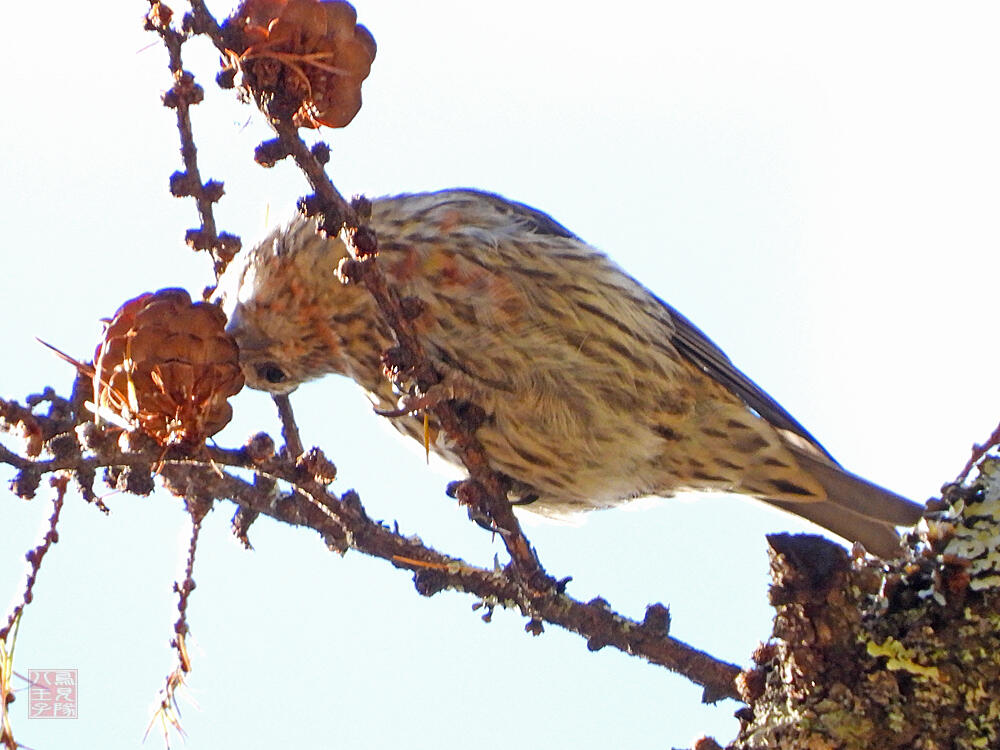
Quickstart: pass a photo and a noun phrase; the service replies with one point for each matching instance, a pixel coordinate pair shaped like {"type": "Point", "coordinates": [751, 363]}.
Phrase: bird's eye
{"type": "Point", "coordinates": [271, 373]}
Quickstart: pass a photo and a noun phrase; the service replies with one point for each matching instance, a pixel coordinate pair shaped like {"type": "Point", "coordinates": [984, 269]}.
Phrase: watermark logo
{"type": "Point", "coordinates": [53, 693]}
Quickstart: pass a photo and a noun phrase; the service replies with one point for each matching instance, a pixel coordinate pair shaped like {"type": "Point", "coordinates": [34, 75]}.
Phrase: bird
{"type": "Point", "coordinates": [593, 391]}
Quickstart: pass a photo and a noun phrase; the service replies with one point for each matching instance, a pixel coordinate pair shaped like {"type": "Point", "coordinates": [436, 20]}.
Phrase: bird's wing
{"type": "Point", "coordinates": [711, 360]}
{"type": "Point", "coordinates": [688, 340]}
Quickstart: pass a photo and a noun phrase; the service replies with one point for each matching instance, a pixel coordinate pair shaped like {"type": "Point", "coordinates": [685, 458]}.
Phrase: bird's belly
{"type": "Point", "coordinates": [562, 459]}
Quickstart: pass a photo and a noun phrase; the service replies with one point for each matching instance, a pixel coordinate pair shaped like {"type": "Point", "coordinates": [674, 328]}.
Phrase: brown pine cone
{"type": "Point", "coordinates": [166, 366]}
{"type": "Point", "coordinates": [305, 57]}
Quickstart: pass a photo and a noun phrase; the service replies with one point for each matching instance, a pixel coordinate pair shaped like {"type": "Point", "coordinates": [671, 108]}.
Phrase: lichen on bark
{"type": "Point", "coordinates": [868, 654]}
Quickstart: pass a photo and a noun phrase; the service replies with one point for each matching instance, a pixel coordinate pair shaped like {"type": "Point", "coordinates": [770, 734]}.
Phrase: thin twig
{"type": "Point", "coordinates": [7, 688]}
{"type": "Point", "coordinates": [289, 428]}
{"type": "Point", "coordinates": [490, 488]}
{"type": "Point", "coordinates": [181, 97]}
{"type": "Point", "coordinates": [336, 210]}
{"type": "Point", "coordinates": [168, 709]}
{"type": "Point", "coordinates": [36, 555]}
{"type": "Point", "coordinates": [9, 633]}
{"type": "Point", "coordinates": [978, 451]}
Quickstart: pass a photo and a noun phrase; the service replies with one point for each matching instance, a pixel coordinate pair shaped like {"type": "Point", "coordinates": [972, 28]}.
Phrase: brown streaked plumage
{"type": "Point", "coordinates": [595, 390]}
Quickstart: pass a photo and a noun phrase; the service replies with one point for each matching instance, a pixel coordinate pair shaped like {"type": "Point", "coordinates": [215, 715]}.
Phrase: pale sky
{"type": "Point", "coordinates": [815, 186]}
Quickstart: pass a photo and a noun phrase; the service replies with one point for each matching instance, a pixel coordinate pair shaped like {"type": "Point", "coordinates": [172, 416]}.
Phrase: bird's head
{"type": "Point", "coordinates": [292, 317]}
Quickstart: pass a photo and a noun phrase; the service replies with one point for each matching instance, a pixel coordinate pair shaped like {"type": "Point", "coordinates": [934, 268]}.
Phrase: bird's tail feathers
{"type": "Point", "coordinates": [855, 508]}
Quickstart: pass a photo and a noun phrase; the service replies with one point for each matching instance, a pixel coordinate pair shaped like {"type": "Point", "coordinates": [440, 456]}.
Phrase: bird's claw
{"type": "Point", "coordinates": [410, 404]}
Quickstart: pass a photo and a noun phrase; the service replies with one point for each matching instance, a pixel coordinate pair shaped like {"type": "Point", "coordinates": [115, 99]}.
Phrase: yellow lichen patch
{"type": "Point", "coordinates": [900, 658]}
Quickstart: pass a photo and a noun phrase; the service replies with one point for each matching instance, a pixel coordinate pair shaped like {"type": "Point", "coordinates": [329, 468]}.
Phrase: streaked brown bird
{"type": "Point", "coordinates": [595, 391]}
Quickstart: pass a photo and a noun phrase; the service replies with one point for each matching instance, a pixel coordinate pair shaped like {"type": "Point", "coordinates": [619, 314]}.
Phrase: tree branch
{"type": "Point", "coordinates": [344, 524]}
